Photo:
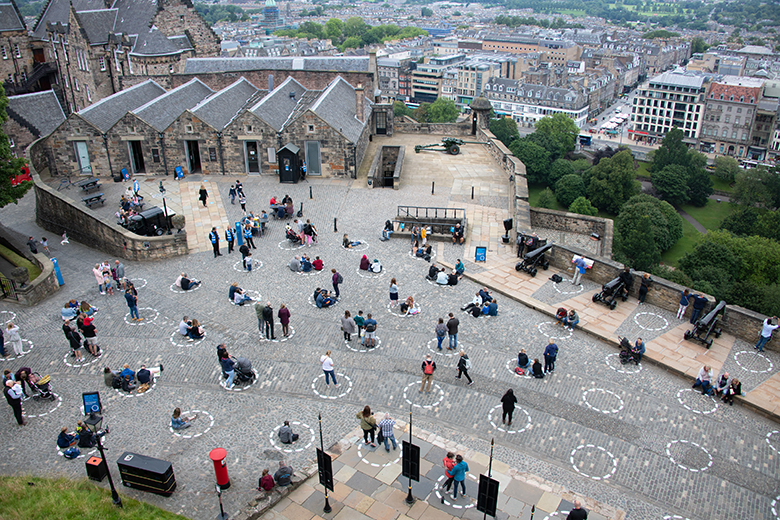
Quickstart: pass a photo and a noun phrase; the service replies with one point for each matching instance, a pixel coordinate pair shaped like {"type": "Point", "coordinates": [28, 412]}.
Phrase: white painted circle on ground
{"type": "Point", "coordinates": [591, 447]}
{"type": "Point", "coordinates": [314, 303]}
{"type": "Point", "coordinates": [694, 470]}
{"type": "Point", "coordinates": [238, 386]}
{"type": "Point", "coordinates": [180, 433]}
{"type": "Point", "coordinates": [57, 398]}
{"type": "Point", "coordinates": [362, 446]}
{"type": "Point", "coordinates": [255, 295]}
{"type": "Point", "coordinates": [675, 517]}
{"type": "Point", "coordinates": [441, 493]}
{"type": "Point", "coordinates": [138, 283]}
{"type": "Point", "coordinates": [178, 290]}
{"type": "Point", "coordinates": [362, 347]}
{"type": "Point", "coordinates": [6, 316]}
{"type": "Point", "coordinates": [696, 407]}
{"type": "Point", "coordinates": [10, 350]}
{"type": "Point", "coordinates": [436, 391]}
{"type": "Point", "coordinates": [506, 428]}
{"type": "Point", "coordinates": [61, 452]}
{"type": "Point", "coordinates": [277, 333]}
{"type": "Point", "coordinates": [557, 514]}
{"type": "Point", "coordinates": [774, 506]}
{"type": "Point", "coordinates": [433, 346]}
{"type": "Point", "coordinates": [553, 331]}
{"type": "Point", "coordinates": [651, 321]}
{"type": "Point", "coordinates": [753, 358]}
{"type": "Point", "coordinates": [297, 446]}
{"type": "Point", "coordinates": [135, 393]}
{"type": "Point", "coordinates": [607, 395]}
{"type": "Point", "coordinates": [147, 315]}
{"type": "Point", "coordinates": [572, 289]}
{"type": "Point", "coordinates": [613, 362]}
{"type": "Point", "coordinates": [433, 255]}
{"type": "Point", "coordinates": [398, 314]}
{"type": "Point", "coordinates": [512, 363]}
{"type": "Point", "coordinates": [361, 247]}
{"type": "Point", "coordinates": [770, 440]}
{"type": "Point", "coordinates": [85, 361]}
{"type": "Point", "coordinates": [183, 341]}
{"type": "Point", "coordinates": [437, 284]}
{"type": "Point", "coordinates": [286, 245]}
{"type": "Point", "coordinates": [370, 274]}
{"type": "Point", "coordinates": [346, 390]}
{"type": "Point", "coordinates": [310, 273]}
{"type": "Point", "coordinates": [239, 265]}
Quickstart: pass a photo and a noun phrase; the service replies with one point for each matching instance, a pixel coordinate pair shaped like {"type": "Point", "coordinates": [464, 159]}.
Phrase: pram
{"type": "Point", "coordinates": [244, 371]}
{"type": "Point", "coordinates": [627, 355]}
{"type": "Point", "coordinates": [292, 236]}
{"type": "Point", "coordinates": [609, 293]}
{"type": "Point", "coordinates": [41, 386]}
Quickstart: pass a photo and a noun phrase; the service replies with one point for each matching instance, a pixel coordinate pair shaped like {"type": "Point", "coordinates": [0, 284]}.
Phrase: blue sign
{"type": "Point", "coordinates": [481, 254]}
{"type": "Point", "coordinates": [57, 271]}
{"type": "Point", "coordinates": [179, 173]}
{"type": "Point", "coordinates": [239, 234]}
{"type": "Point", "coordinates": [124, 173]}
{"type": "Point", "coordinates": [91, 402]}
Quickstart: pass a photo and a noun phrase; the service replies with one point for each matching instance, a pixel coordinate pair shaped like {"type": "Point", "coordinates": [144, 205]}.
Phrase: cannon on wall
{"type": "Point", "coordinates": [534, 258]}
{"type": "Point", "coordinates": [451, 145]}
{"type": "Point", "coordinates": [610, 292]}
{"type": "Point", "coordinates": [706, 326]}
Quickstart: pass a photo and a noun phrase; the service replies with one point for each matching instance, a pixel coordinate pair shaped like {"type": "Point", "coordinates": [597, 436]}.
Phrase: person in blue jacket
{"type": "Point", "coordinates": [458, 473]}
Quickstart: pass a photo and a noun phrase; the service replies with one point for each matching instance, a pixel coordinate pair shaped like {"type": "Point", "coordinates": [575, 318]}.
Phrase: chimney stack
{"type": "Point", "coordinates": [270, 82]}
{"type": "Point", "coordinates": [359, 102]}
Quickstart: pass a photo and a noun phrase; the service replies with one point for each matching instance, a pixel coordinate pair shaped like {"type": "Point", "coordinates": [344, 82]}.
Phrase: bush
{"type": "Point", "coordinates": [547, 199]}
{"type": "Point", "coordinates": [569, 188]}
{"type": "Point", "coordinates": [726, 168]}
{"type": "Point", "coordinates": [559, 169]}
{"type": "Point", "coordinates": [582, 206]}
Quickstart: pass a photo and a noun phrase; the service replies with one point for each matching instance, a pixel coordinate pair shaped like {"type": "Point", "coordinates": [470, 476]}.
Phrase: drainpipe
{"type": "Point", "coordinates": [219, 148]}
{"type": "Point", "coordinates": [354, 162]}
{"type": "Point", "coordinates": [108, 155]}
{"type": "Point", "coordinates": [162, 152]}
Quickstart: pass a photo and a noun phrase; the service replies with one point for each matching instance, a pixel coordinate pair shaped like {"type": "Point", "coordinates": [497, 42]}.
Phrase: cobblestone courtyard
{"type": "Point", "coordinates": [638, 439]}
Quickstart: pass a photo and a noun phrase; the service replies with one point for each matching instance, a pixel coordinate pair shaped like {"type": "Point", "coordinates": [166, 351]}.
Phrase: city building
{"type": "Point", "coordinates": [31, 116]}
{"type": "Point", "coordinates": [731, 106]}
{"type": "Point", "coordinates": [23, 68]}
{"type": "Point", "coordinates": [527, 104]}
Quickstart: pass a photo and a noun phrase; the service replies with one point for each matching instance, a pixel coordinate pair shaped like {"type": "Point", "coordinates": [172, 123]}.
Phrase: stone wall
{"type": "Point", "coordinates": [446, 129]}
{"type": "Point", "coordinates": [188, 127]}
{"type": "Point", "coordinates": [575, 223]}
{"type": "Point", "coordinates": [61, 146]}
{"type": "Point", "coordinates": [43, 286]}
{"type": "Point", "coordinates": [248, 127]}
{"type": "Point", "coordinates": [175, 17]}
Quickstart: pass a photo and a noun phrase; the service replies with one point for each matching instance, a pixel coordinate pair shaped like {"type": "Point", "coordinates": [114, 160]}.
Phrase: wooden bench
{"type": "Point", "coordinates": [89, 184]}
{"type": "Point", "coordinates": [94, 199]}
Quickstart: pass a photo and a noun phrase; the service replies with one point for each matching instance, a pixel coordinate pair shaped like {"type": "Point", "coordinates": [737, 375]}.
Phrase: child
{"type": "Point", "coordinates": [45, 245]}
{"type": "Point", "coordinates": [107, 284]}
{"type": "Point", "coordinates": [359, 321]}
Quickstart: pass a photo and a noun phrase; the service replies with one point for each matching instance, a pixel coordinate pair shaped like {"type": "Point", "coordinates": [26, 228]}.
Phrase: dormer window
{"type": "Point", "coordinates": [752, 100]}
{"type": "Point", "coordinates": [731, 98]}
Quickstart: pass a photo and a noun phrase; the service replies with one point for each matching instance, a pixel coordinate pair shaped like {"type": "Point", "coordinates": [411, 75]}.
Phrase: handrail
{"type": "Point", "coordinates": [430, 212]}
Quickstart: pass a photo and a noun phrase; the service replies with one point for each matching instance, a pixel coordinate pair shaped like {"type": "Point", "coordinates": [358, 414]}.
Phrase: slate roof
{"type": "Point", "coordinates": [40, 111]}
{"type": "Point", "coordinates": [336, 106]}
{"type": "Point", "coordinates": [105, 113]}
{"type": "Point", "coordinates": [181, 42]}
{"type": "Point", "coordinates": [134, 16]}
{"type": "Point", "coordinates": [219, 109]}
{"type": "Point", "coordinates": [319, 63]}
{"type": "Point", "coordinates": [276, 108]}
{"type": "Point", "coordinates": [151, 42]}
{"type": "Point", "coordinates": [10, 19]}
{"type": "Point", "coordinates": [58, 10]}
{"type": "Point", "coordinates": [97, 24]}
{"type": "Point", "coordinates": [160, 112]}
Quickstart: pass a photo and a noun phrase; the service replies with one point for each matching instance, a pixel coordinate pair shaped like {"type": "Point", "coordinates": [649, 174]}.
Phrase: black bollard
{"type": "Point", "coordinates": [433, 185]}
{"type": "Point", "coordinates": [472, 193]}
{"type": "Point", "coordinates": [335, 229]}
{"type": "Point", "coordinates": [310, 195]}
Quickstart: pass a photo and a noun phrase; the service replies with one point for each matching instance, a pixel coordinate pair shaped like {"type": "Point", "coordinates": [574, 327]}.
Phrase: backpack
{"type": "Point", "coordinates": [71, 453]}
{"type": "Point", "coordinates": [468, 364]}
{"type": "Point", "coordinates": [556, 278]}
{"type": "Point", "coordinates": [116, 382]}
{"type": "Point", "coordinates": [370, 327]}
{"type": "Point", "coordinates": [428, 368]}
{"type": "Point", "coordinates": [519, 371]}
{"type": "Point", "coordinates": [340, 278]}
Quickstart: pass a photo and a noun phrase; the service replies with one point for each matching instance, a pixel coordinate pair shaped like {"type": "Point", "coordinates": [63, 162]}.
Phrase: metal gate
{"type": "Point", "coordinates": [8, 288]}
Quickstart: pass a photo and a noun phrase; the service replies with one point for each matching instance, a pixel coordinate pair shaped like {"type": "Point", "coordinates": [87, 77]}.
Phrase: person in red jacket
{"type": "Point", "coordinates": [449, 463]}
{"type": "Point", "coordinates": [266, 482]}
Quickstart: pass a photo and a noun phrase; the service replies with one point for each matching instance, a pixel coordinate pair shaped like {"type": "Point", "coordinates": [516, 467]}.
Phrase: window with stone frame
{"type": "Point", "coordinates": [4, 52]}
{"type": "Point", "coordinates": [102, 63]}
{"type": "Point", "coordinates": [17, 51]}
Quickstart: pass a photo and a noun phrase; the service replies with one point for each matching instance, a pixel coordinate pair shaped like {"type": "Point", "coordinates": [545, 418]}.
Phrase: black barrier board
{"type": "Point", "coordinates": [487, 497]}
{"type": "Point", "coordinates": [325, 469]}
{"type": "Point", "coordinates": [411, 461]}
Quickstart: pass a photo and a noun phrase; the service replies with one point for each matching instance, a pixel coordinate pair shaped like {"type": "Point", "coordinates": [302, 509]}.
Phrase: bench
{"type": "Point", "coordinates": [441, 221]}
{"type": "Point", "coordinates": [89, 184]}
{"type": "Point", "coordinates": [94, 199]}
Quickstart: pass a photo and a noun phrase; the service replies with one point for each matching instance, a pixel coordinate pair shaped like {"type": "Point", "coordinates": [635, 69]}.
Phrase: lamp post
{"type": "Point", "coordinates": [93, 422]}
{"type": "Point", "coordinates": [165, 209]}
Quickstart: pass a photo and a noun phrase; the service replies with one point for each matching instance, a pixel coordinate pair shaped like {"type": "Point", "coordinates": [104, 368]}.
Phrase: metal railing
{"type": "Point", "coordinates": [8, 288]}
{"type": "Point", "coordinates": [418, 212]}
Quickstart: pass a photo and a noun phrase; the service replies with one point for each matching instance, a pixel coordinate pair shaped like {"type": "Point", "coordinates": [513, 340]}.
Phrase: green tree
{"type": "Point", "coordinates": [10, 166]}
{"type": "Point", "coordinates": [741, 222]}
{"type": "Point", "coordinates": [569, 188]}
{"type": "Point", "coordinates": [698, 45]}
{"type": "Point", "coordinates": [750, 188]}
{"type": "Point", "coordinates": [559, 169]}
{"type": "Point", "coordinates": [426, 12]}
{"type": "Point", "coordinates": [672, 151]}
{"type": "Point", "coordinates": [582, 206]}
{"type": "Point", "coordinates": [768, 225]}
{"type": "Point", "coordinates": [353, 42]}
{"type": "Point", "coordinates": [726, 168]}
{"type": "Point", "coordinates": [311, 28]}
{"type": "Point", "coordinates": [535, 158]}
{"type": "Point", "coordinates": [612, 182]}
{"type": "Point", "coordinates": [665, 223]}
{"type": "Point", "coordinates": [549, 143]}
{"type": "Point", "coordinates": [637, 247]}
{"type": "Point", "coordinates": [699, 187]}
{"type": "Point", "coordinates": [443, 110]}
{"type": "Point", "coordinates": [505, 129]}
{"type": "Point", "coordinates": [355, 27]}
{"type": "Point", "coordinates": [547, 199]}
{"type": "Point", "coordinates": [334, 28]}
{"type": "Point", "coordinates": [672, 183]}
{"type": "Point", "coordinates": [561, 128]}
{"type": "Point", "coordinates": [400, 110]}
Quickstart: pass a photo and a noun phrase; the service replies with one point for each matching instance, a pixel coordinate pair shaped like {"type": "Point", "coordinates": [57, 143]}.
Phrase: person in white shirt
{"type": "Point", "coordinates": [766, 333]}
{"type": "Point", "coordinates": [327, 367]}
{"type": "Point", "coordinates": [184, 326]}
{"type": "Point", "coordinates": [704, 380]}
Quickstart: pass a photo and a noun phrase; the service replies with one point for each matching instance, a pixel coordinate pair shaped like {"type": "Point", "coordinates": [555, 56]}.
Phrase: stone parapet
{"type": "Point", "coordinates": [575, 223]}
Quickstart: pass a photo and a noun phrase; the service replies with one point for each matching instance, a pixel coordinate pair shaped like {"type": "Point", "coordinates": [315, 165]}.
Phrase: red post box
{"type": "Point", "coordinates": [218, 456]}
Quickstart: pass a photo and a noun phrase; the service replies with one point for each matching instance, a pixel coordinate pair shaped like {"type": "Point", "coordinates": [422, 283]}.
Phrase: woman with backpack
{"type": "Point", "coordinates": [310, 232]}
{"type": "Point", "coordinates": [367, 424]}
{"type": "Point", "coordinates": [464, 365]}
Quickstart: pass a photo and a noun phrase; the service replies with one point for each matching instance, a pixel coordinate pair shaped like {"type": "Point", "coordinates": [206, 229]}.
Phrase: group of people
{"type": "Point", "coordinates": [185, 283]}
{"type": "Point", "coordinates": [725, 387]}
{"type": "Point", "coordinates": [365, 328]}
{"type": "Point", "coordinates": [374, 266]}
{"type": "Point", "coordinates": [85, 327]}
{"type": "Point", "coordinates": [483, 304]}
{"type": "Point", "coordinates": [192, 329]}
{"type": "Point", "coordinates": [129, 380]}
{"type": "Point", "coordinates": [265, 320]}
{"type": "Point", "coordinates": [282, 208]}
{"type": "Point", "coordinates": [567, 319]}
{"type": "Point", "coordinates": [108, 277]}
{"type": "Point", "coordinates": [237, 295]}
{"type": "Point", "coordinates": [304, 264]}
{"type": "Point", "coordinates": [550, 355]}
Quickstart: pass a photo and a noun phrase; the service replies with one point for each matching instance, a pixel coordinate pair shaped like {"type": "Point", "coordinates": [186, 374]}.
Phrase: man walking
{"type": "Point", "coordinates": [386, 425]}
{"type": "Point", "coordinates": [578, 513]}
{"type": "Point", "coordinates": [268, 318]}
{"type": "Point", "coordinates": [766, 333]}
{"type": "Point", "coordinates": [464, 365]}
{"type": "Point", "coordinates": [452, 330]}
{"type": "Point", "coordinates": [336, 279]}
{"type": "Point", "coordinates": [550, 354]}
{"type": "Point", "coordinates": [214, 237]}
{"type": "Point", "coordinates": [230, 238]}
{"type": "Point", "coordinates": [32, 246]}
{"type": "Point", "coordinates": [132, 302]}
{"type": "Point", "coordinates": [428, 368]}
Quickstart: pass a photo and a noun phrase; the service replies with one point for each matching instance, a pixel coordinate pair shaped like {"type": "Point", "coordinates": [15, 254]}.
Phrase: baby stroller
{"type": "Point", "coordinates": [244, 371]}
{"type": "Point", "coordinates": [627, 355]}
{"type": "Point", "coordinates": [41, 386]}
{"type": "Point", "coordinates": [292, 236]}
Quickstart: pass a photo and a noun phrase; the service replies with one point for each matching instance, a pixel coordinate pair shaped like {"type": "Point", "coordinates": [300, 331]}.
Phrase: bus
{"type": "Point", "coordinates": [412, 106]}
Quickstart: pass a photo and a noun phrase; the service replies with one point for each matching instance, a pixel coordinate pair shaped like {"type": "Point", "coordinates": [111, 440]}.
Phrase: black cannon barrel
{"type": "Point", "coordinates": [531, 255]}
{"type": "Point", "coordinates": [708, 319]}
{"type": "Point", "coordinates": [612, 285]}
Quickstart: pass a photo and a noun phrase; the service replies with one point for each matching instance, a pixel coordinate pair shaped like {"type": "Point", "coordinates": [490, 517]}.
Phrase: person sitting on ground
{"type": "Point", "coordinates": [442, 278]}
{"type": "Point", "coordinates": [476, 302]}
{"type": "Point", "coordinates": [560, 315]}
{"type": "Point", "coordinates": [305, 264]}
{"type": "Point", "coordinates": [433, 272]}
{"type": "Point", "coordinates": [317, 264]}
{"type": "Point", "coordinates": [266, 482]}
{"type": "Point", "coordinates": [722, 384]}
{"type": "Point", "coordinates": [571, 320]}
{"type": "Point", "coordinates": [409, 307]}
{"type": "Point", "coordinates": [536, 369]}
{"type": "Point", "coordinates": [240, 298]}
{"type": "Point", "coordinates": [416, 248]}
{"type": "Point", "coordinates": [146, 375]}
{"type": "Point", "coordinates": [460, 268]}
{"type": "Point", "coordinates": [376, 266]}
{"type": "Point", "coordinates": [68, 313]}
{"type": "Point", "coordinates": [452, 278]}
{"type": "Point", "coordinates": [457, 234]}
{"type": "Point", "coordinates": [324, 299]}
{"type": "Point", "coordinates": [65, 439]}
{"type": "Point", "coordinates": [485, 294]}
{"type": "Point", "coordinates": [735, 388]}
{"type": "Point", "coordinates": [127, 384]}
{"type": "Point", "coordinates": [195, 331]}
{"type": "Point", "coordinates": [232, 291]}
{"type": "Point", "coordinates": [108, 376]}
{"type": "Point", "coordinates": [295, 265]}
{"type": "Point", "coordinates": [493, 308]}
{"type": "Point", "coordinates": [704, 380]}
{"type": "Point", "coordinates": [638, 350]}
{"type": "Point", "coordinates": [127, 372]}
{"type": "Point", "coordinates": [387, 231]}
{"type": "Point", "coordinates": [286, 435]}
{"type": "Point", "coordinates": [178, 422]}
{"type": "Point", "coordinates": [348, 244]}
{"type": "Point", "coordinates": [185, 283]}
{"type": "Point", "coordinates": [283, 475]}
{"type": "Point", "coordinates": [184, 325]}
{"type": "Point", "coordinates": [425, 253]}
{"type": "Point", "coordinates": [522, 359]}
{"type": "Point", "coordinates": [364, 263]}
{"type": "Point", "coordinates": [86, 438]}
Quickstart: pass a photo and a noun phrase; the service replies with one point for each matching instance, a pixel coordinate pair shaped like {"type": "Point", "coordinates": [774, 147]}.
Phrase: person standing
{"type": "Point", "coordinates": [393, 293]}
{"type": "Point", "coordinates": [766, 333]}
{"type": "Point", "coordinates": [428, 368]}
{"type": "Point", "coordinates": [74, 339]}
{"type": "Point", "coordinates": [699, 302]}
{"type": "Point", "coordinates": [248, 260]}
{"type": "Point", "coordinates": [578, 513]}
{"type": "Point", "coordinates": [508, 403]}
{"type": "Point", "coordinates": [579, 270]}
{"type": "Point", "coordinates": [259, 313]}
{"type": "Point", "coordinates": [327, 367]}
{"type": "Point", "coordinates": [684, 300]}
{"type": "Point", "coordinates": [98, 272]}
{"type": "Point", "coordinates": [242, 201]}
{"type": "Point", "coordinates": [119, 274]}
{"type": "Point", "coordinates": [229, 368]}
{"type": "Point", "coordinates": [550, 355]}
{"type": "Point", "coordinates": [348, 326]}
{"type": "Point", "coordinates": [13, 394]}
{"type": "Point", "coordinates": [449, 463]}
{"type": "Point", "coordinates": [232, 194]}
{"type": "Point", "coordinates": [248, 236]}
{"type": "Point", "coordinates": [441, 332]}
{"type": "Point", "coordinates": [203, 195]}
{"type": "Point", "coordinates": [370, 325]}
{"type": "Point", "coordinates": [132, 303]}
{"type": "Point", "coordinates": [367, 424]}
{"type": "Point", "coordinates": [644, 287]}
{"type": "Point", "coordinates": [386, 425]}
{"type": "Point", "coordinates": [32, 246]}
{"type": "Point", "coordinates": [13, 337]}
{"type": "Point", "coordinates": [284, 319]}
{"type": "Point", "coordinates": [230, 238]}
{"type": "Point", "coordinates": [464, 365]}
{"type": "Point", "coordinates": [336, 279]}
{"type": "Point", "coordinates": [214, 237]}
{"type": "Point", "coordinates": [452, 330]}
{"type": "Point", "coordinates": [459, 475]}
{"type": "Point", "coordinates": [2, 344]}
{"type": "Point", "coordinates": [268, 318]}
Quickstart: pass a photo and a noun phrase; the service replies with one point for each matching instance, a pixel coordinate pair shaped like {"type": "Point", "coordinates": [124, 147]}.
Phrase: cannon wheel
{"type": "Point", "coordinates": [596, 297]}
{"type": "Point", "coordinates": [624, 298]}
{"type": "Point", "coordinates": [612, 305]}
{"type": "Point", "coordinates": [687, 334]}
{"type": "Point", "coordinates": [532, 272]}
{"type": "Point", "coordinates": [453, 149]}
{"type": "Point", "coordinates": [519, 266]}
{"type": "Point", "coordinates": [708, 343]}
{"type": "Point", "coordinates": [546, 265]}
{"type": "Point", "coordinates": [718, 333]}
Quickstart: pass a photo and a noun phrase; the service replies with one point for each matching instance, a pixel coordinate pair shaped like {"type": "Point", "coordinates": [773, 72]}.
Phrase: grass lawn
{"type": "Point", "coordinates": [721, 185]}
{"type": "Point", "coordinates": [20, 261]}
{"type": "Point", "coordinates": [33, 498]}
{"type": "Point", "coordinates": [684, 245]}
{"type": "Point", "coordinates": [711, 215]}
{"type": "Point", "coordinates": [642, 170]}
{"type": "Point", "coordinates": [534, 191]}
